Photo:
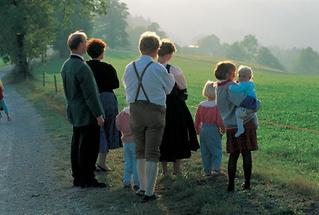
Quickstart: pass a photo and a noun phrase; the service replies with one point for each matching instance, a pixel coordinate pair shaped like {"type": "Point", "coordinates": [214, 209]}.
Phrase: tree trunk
{"type": "Point", "coordinates": [22, 67]}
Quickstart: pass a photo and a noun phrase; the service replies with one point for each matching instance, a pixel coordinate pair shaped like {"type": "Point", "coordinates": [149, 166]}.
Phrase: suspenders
{"type": "Point", "coordinates": [140, 78]}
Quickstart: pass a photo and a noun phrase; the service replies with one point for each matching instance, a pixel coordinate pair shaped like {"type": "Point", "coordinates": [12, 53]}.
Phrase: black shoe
{"type": "Point", "coordinates": [140, 193]}
{"type": "Point", "coordinates": [231, 187]}
{"type": "Point", "coordinates": [76, 183]}
{"type": "Point", "coordinates": [93, 183]}
{"type": "Point", "coordinates": [246, 185]}
{"type": "Point", "coordinates": [146, 198]}
{"type": "Point", "coordinates": [136, 188]}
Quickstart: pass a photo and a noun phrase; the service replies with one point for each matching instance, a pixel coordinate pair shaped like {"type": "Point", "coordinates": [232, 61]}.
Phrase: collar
{"type": "Point", "coordinates": [73, 55]}
{"type": "Point", "coordinates": [208, 103]}
{"type": "Point", "coordinates": [223, 82]}
{"type": "Point", "coordinates": [146, 57]}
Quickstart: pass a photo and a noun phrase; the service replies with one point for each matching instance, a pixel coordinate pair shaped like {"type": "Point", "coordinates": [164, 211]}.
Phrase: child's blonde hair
{"type": "Point", "coordinates": [245, 70]}
{"type": "Point", "coordinates": [209, 90]}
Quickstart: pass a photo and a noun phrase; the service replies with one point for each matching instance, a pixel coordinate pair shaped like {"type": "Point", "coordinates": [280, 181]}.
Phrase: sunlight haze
{"type": "Point", "coordinates": [284, 23]}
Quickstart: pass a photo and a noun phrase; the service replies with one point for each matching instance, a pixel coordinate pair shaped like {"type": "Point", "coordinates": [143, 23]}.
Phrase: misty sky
{"type": "Point", "coordinates": [285, 23]}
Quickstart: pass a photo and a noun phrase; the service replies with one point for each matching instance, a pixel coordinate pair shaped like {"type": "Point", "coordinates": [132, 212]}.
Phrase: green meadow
{"type": "Point", "coordinates": [285, 172]}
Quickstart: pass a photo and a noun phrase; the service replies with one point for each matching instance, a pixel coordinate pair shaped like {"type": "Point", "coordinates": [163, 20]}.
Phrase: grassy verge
{"type": "Point", "coordinates": [285, 177]}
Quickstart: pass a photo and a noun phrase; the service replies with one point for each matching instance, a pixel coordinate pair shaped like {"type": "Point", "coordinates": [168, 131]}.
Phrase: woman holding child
{"type": "Point", "coordinates": [179, 134]}
{"type": "Point", "coordinates": [107, 80]}
{"type": "Point", "coordinates": [228, 101]}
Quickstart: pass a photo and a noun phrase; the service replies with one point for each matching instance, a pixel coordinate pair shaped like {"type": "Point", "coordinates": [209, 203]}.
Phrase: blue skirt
{"type": "Point", "coordinates": [110, 137]}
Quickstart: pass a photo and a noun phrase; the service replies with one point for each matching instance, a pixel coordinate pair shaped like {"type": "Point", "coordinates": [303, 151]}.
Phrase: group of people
{"type": "Point", "coordinates": [157, 124]}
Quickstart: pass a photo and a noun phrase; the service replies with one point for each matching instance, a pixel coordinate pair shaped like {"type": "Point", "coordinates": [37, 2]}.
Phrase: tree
{"type": "Point", "coordinates": [155, 27]}
{"type": "Point", "coordinates": [250, 46]}
{"type": "Point", "coordinates": [210, 44]}
{"type": "Point", "coordinates": [235, 51]}
{"type": "Point", "coordinates": [76, 21]}
{"type": "Point", "coordinates": [112, 26]}
{"type": "Point", "coordinates": [25, 30]}
{"type": "Point", "coordinates": [138, 25]}
{"type": "Point", "coordinates": [307, 61]}
{"type": "Point", "coordinates": [29, 27]}
{"type": "Point", "coordinates": [265, 57]}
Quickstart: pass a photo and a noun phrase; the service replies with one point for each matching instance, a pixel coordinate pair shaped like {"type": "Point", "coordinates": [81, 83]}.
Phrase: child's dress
{"type": "Point", "coordinates": [209, 125]}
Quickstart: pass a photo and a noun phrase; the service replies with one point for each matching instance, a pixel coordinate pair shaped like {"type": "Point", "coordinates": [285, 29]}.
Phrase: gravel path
{"type": "Point", "coordinates": [27, 181]}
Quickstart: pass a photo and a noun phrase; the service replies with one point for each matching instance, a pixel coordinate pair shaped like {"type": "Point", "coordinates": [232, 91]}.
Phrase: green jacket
{"type": "Point", "coordinates": [80, 88]}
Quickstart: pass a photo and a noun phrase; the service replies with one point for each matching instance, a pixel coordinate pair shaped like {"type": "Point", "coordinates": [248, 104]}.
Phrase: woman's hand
{"type": "Point", "coordinates": [100, 121]}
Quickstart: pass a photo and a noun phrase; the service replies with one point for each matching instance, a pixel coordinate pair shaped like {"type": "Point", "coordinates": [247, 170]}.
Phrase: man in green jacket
{"type": "Point", "coordinates": [84, 112]}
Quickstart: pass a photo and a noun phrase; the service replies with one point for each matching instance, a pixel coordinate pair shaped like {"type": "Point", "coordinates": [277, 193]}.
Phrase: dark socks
{"type": "Point", "coordinates": [247, 166]}
{"type": "Point", "coordinates": [232, 167]}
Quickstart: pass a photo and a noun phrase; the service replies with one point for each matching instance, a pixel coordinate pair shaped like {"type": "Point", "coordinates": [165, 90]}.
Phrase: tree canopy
{"type": "Point", "coordinates": [28, 28]}
{"type": "Point", "coordinates": [112, 26]}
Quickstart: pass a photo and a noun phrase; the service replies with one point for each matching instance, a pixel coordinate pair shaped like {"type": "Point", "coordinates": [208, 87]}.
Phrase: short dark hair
{"type": "Point", "coordinates": [223, 68]}
{"type": "Point", "coordinates": [75, 39]}
{"type": "Point", "coordinates": [95, 47]}
{"type": "Point", "coordinates": [167, 47]}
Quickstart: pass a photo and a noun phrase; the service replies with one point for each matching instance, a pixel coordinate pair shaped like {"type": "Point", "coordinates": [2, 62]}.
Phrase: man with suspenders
{"type": "Point", "coordinates": [146, 84]}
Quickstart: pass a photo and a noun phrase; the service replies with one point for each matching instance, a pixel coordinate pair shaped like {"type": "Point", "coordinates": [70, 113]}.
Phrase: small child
{"type": "Point", "coordinates": [3, 106]}
{"type": "Point", "coordinates": [123, 125]}
{"type": "Point", "coordinates": [247, 86]}
{"type": "Point", "coordinates": [210, 126]}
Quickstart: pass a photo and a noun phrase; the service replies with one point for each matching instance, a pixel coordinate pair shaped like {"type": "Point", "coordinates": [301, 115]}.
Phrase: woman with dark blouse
{"type": "Point", "coordinates": [107, 80]}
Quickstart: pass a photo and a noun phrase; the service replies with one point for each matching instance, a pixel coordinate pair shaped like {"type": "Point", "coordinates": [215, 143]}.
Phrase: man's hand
{"type": "Point", "coordinates": [100, 121]}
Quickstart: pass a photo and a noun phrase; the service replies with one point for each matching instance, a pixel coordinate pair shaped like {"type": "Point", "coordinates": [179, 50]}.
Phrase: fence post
{"type": "Point", "coordinates": [55, 84]}
{"type": "Point", "coordinates": [43, 79]}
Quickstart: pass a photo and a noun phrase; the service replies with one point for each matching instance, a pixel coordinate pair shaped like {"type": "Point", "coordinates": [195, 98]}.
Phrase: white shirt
{"type": "Point", "coordinates": [80, 56]}
{"type": "Point", "coordinates": [179, 77]}
{"type": "Point", "coordinates": [157, 81]}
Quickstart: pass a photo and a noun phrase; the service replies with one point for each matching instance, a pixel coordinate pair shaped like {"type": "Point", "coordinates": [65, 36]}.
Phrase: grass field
{"type": "Point", "coordinates": [285, 175]}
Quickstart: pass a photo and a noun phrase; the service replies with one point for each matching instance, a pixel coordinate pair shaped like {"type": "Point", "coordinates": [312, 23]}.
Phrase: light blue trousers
{"type": "Point", "coordinates": [130, 169]}
{"type": "Point", "coordinates": [211, 147]}
{"type": "Point", "coordinates": [4, 106]}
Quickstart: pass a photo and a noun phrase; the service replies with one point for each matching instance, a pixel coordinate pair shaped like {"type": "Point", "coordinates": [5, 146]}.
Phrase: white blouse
{"type": "Point", "coordinates": [179, 77]}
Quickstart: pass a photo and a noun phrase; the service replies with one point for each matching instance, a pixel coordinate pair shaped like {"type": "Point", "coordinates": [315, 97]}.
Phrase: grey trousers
{"type": "Point", "coordinates": [147, 123]}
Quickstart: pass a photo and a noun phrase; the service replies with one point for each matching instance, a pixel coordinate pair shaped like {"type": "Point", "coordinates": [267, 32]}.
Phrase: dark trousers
{"type": "Point", "coordinates": [232, 166]}
{"type": "Point", "coordinates": [84, 152]}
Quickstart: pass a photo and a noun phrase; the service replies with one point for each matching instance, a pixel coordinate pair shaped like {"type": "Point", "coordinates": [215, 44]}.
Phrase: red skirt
{"type": "Point", "coordinates": [245, 142]}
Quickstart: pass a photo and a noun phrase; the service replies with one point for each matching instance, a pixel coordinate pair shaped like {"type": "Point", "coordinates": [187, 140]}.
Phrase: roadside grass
{"type": "Point", "coordinates": [2, 64]}
{"type": "Point", "coordinates": [286, 177]}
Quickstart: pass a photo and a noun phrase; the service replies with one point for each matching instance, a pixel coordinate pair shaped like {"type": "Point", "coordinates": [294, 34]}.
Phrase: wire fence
{"type": "Point", "coordinates": [50, 81]}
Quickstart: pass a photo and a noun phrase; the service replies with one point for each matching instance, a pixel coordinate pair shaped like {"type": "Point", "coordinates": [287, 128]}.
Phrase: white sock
{"type": "Point", "coordinates": [151, 173]}
{"type": "Point", "coordinates": [240, 122]}
{"type": "Point", "coordinates": [240, 130]}
{"type": "Point", "coordinates": [140, 165]}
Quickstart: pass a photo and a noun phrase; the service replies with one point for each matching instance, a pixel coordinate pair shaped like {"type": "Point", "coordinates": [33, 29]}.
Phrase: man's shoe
{"type": "Point", "coordinates": [76, 183]}
{"type": "Point", "coordinates": [140, 193]}
{"type": "Point", "coordinates": [94, 183]}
